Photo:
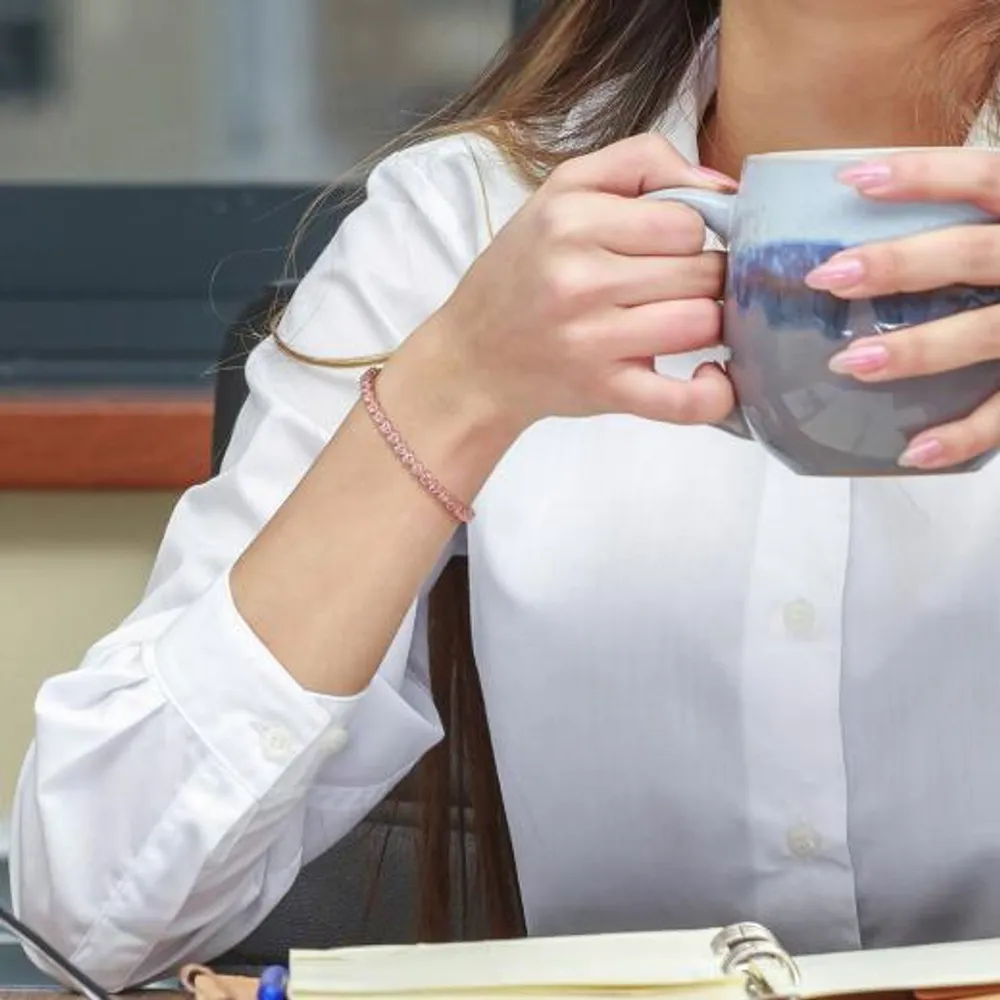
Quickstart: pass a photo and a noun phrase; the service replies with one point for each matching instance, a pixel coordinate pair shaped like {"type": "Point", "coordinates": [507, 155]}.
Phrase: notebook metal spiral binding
{"type": "Point", "coordinates": [751, 949]}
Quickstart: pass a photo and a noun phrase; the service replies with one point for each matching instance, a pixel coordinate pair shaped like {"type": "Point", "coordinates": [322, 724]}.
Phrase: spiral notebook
{"type": "Point", "coordinates": [735, 963]}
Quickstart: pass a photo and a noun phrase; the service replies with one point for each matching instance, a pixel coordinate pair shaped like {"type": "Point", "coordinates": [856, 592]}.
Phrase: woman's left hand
{"type": "Point", "coordinates": [965, 255]}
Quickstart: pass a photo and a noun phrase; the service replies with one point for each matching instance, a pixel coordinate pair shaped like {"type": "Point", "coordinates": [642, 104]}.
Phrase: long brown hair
{"type": "Point", "coordinates": [634, 53]}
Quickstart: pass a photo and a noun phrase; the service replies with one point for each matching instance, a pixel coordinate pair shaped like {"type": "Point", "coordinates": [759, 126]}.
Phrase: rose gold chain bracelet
{"type": "Point", "coordinates": [458, 510]}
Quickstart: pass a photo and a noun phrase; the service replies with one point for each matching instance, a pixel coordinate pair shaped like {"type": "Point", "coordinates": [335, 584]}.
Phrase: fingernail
{"type": "Point", "coordinates": [835, 274]}
{"type": "Point", "coordinates": [923, 454]}
{"type": "Point", "coordinates": [867, 176]}
{"type": "Point", "coordinates": [716, 177]}
{"type": "Point", "coordinates": [863, 359]}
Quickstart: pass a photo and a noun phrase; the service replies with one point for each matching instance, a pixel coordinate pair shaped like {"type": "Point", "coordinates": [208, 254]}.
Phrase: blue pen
{"type": "Point", "coordinates": [273, 983]}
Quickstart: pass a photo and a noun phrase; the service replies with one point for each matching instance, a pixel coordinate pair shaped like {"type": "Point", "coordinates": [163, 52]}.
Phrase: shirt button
{"type": "Point", "coordinates": [804, 842]}
{"type": "Point", "coordinates": [334, 740]}
{"type": "Point", "coordinates": [276, 744]}
{"type": "Point", "coordinates": [799, 618]}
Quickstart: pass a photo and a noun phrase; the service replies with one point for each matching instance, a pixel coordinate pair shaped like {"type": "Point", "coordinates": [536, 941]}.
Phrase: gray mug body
{"type": "Point", "coordinates": [790, 215]}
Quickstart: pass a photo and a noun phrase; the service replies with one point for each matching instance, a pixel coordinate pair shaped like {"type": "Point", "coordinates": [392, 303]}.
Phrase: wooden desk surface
{"type": "Point", "coordinates": [98, 442]}
{"type": "Point", "coordinates": [56, 995]}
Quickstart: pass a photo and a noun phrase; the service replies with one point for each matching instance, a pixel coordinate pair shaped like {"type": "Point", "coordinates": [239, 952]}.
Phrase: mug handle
{"type": "Point", "coordinates": [716, 209]}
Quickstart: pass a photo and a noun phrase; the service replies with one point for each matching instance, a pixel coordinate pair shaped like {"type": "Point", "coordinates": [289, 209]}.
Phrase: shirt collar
{"type": "Point", "coordinates": [985, 131]}
{"type": "Point", "coordinates": [681, 122]}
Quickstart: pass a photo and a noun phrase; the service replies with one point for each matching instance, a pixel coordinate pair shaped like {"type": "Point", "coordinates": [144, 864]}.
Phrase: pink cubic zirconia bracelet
{"type": "Point", "coordinates": [458, 510]}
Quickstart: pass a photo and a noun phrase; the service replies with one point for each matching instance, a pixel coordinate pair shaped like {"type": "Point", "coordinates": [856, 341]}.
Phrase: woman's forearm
{"type": "Point", "coordinates": [328, 581]}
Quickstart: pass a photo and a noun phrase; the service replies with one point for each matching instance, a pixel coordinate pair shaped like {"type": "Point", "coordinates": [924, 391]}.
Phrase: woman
{"type": "Point", "coordinates": [715, 689]}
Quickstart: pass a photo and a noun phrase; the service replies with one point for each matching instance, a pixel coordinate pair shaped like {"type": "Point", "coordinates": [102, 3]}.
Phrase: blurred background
{"type": "Point", "coordinates": [218, 90]}
{"type": "Point", "coordinates": [157, 135]}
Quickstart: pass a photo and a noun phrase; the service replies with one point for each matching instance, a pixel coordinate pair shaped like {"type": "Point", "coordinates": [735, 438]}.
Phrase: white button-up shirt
{"type": "Point", "coordinates": [717, 690]}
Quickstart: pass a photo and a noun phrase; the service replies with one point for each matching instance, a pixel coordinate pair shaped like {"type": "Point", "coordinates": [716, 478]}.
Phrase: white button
{"type": "Point", "coordinates": [804, 842]}
{"type": "Point", "coordinates": [799, 618]}
{"type": "Point", "coordinates": [334, 740]}
{"type": "Point", "coordinates": [276, 744]}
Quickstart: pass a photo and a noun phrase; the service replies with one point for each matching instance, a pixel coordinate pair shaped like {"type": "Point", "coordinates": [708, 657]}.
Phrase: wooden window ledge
{"type": "Point", "coordinates": [149, 440]}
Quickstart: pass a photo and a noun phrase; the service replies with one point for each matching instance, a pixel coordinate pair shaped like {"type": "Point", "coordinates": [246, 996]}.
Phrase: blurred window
{"type": "Point", "coordinates": [210, 90]}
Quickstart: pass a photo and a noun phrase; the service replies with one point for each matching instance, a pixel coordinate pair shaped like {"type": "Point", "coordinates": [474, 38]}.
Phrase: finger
{"type": "Point", "coordinates": [712, 369]}
{"type": "Point", "coordinates": [967, 255]}
{"type": "Point", "coordinates": [634, 167]}
{"type": "Point", "coordinates": [706, 399]}
{"type": "Point", "coordinates": [944, 345]}
{"type": "Point", "coordinates": [626, 226]}
{"type": "Point", "coordinates": [958, 442]}
{"type": "Point", "coordinates": [637, 281]}
{"type": "Point", "coordinates": [971, 175]}
{"type": "Point", "coordinates": [662, 328]}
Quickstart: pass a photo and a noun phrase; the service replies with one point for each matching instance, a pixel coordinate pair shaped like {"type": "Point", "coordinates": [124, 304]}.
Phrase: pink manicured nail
{"type": "Point", "coordinates": [716, 177]}
{"type": "Point", "coordinates": [867, 176]}
{"type": "Point", "coordinates": [923, 454]}
{"type": "Point", "coordinates": [835, 274]}
{"type": "Point", "coordinates": [861, 360]}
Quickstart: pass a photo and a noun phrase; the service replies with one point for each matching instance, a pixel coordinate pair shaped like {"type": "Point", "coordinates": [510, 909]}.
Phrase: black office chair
{"type": "Point", "coordinates": [362, 891]}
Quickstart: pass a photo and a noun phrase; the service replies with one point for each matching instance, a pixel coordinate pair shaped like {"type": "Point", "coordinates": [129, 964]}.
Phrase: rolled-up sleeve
{"type": "Point", "coordinates": [180, 777]}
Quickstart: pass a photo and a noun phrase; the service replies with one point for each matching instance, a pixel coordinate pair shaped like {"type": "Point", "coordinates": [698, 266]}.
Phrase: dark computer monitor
{"type": "Point", "coordinates": [134, 285]}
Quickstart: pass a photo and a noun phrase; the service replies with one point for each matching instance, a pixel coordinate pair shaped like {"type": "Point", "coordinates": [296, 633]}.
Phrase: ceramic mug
{"type": "Point", "coordinates": [790, 215]}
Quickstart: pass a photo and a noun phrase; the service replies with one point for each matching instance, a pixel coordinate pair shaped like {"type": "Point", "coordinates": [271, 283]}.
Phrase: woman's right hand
{"type": "Point", "coordinates": [563, 314]}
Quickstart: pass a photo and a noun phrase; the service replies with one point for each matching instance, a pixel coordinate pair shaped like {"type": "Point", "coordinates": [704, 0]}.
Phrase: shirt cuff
{"type": "Point", "coordinates": [240, 700]}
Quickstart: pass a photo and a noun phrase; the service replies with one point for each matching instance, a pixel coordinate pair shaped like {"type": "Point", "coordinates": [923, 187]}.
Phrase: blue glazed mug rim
{"type": "Point", "coordinates": [848, 154]}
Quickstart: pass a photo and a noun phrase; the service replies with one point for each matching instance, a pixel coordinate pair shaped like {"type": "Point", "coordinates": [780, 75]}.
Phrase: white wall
{"type": "Point", "coordinates": [71, 566]}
